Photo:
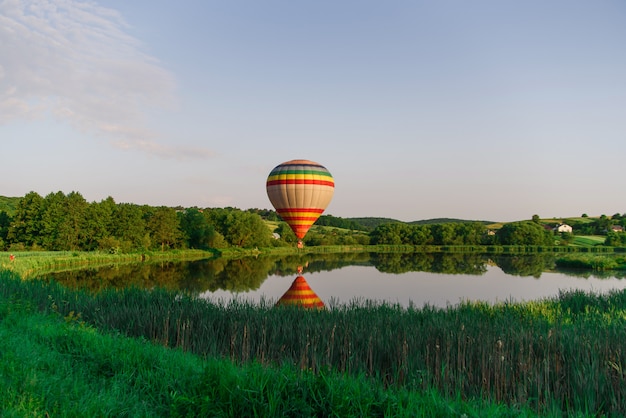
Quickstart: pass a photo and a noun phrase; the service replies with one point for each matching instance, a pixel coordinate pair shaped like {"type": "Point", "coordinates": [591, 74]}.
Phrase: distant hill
{"type": "Point", "coordinates": [447, 221]}
{"type": "Point", "coordinates": [8, 204]}
{"type": "Point", "coordinates": [371, 223]}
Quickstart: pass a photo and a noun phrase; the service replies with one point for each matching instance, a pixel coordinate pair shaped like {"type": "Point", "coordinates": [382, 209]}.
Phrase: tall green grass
{"type": "Point", "coordinates": [59, 366]}
{"type": "Point", "coordinates": [564, 353]}
{"type": "Point", "coordinates": [591, 262]}
{"type": "Point", "coordinates": [35, 263]}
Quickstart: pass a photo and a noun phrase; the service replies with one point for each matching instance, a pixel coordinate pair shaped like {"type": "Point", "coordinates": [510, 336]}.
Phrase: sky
{"type": "Point", "coordinates": [481, 110]}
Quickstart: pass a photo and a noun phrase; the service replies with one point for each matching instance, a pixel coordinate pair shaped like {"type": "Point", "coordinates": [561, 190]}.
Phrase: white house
{"type": "Point", "coordinates": [563, 228]}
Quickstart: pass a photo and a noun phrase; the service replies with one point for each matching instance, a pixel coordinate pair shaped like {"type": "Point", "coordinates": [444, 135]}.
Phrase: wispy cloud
{"type": "Point", "coordinates": [76, 61]}
{"type": "Point", "coordinates": [179, 152]}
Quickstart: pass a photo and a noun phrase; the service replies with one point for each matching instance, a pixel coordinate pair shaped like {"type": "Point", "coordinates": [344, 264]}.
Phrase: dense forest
{"type": "Point", "coordinates": [61, 221]}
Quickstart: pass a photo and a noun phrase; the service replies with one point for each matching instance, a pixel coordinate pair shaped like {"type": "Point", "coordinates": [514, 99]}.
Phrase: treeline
{"type": "Point", "coordinates": [67, 222]}
{"type": "Point", "coordinates": [470, 233]}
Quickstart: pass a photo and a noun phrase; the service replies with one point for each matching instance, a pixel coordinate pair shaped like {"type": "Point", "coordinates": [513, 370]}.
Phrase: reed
{"type": "Point", "coordinates": [30, 264]}
{"type": "Point", "coordinates": [592, 262]}
{"type": "Point", "coordinates": [563, 353]}
{"type": "Point", "coordinates": [54, 366]}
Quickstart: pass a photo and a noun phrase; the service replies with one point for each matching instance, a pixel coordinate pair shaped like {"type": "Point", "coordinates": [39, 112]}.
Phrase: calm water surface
{"type": "Point", "coordinates": [419, 288]}
{"type": "Point", "coordinates": [435, 279]}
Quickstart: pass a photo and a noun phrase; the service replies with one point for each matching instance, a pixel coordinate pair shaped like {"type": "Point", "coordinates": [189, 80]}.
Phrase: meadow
{"type": "Point", "coordinates": [588, 240]}
{"type": "Point", "coordinates": [183, 356]}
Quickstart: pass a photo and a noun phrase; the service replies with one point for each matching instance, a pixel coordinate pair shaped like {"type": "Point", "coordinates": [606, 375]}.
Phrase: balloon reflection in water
{"type": "Point", "coordinates": [301, 294]}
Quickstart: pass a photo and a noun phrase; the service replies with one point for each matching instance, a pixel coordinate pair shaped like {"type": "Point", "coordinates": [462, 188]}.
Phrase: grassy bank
{"type": "Point", "coordinates": [28, 264]}
{"type": "Point", "coordinates": [593, 262]}
{"type": "Point", "coordinates": [58, 365]}
{"type": "Point", "coordinates": [34, 263]}
{"type": "Point", "coordinates": [563, 354]}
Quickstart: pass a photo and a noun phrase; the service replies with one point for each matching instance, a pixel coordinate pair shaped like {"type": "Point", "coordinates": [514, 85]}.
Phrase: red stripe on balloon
{"type": "Point", "coordinates": [297, 181]}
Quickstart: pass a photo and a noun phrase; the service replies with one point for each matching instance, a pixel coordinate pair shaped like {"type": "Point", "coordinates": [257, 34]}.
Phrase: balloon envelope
{"type": "Point", "coordinates": [300, 191]}
{"type": "Point", "coordinates": [301, 294]}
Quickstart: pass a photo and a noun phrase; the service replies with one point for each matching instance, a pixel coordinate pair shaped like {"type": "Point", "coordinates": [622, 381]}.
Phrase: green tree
{"type": "Point", "coordinates": [72, 233]}
{"type": "Point", "coordinates": [196, 229]}
{"type": "Point", "coordinates": [5, 223]}
{"type": "Point", "coordinates": [52, 216]}
{"type": "Point", "coordinates": [446, 234]}
{"type": "Point", "coordinates": [615, 239]}
{"type": "Point", "coordinates": [602, 225]}
{"type": "Point", "coordinates": [524, 233]}
{"type": "Point", "coordinates": [421, 235]}
{"type": "Point", "coordinates": [98, 225]}
{"type": "Point", "coordinates": [26, 228]}
{"type": "Point", "coordinates": [472, 233]}
{"type": "Point", "coordinates": [386, 234]}
{"type": "Point", "coordinates": [246, 230]}
{"type": "Point", "coordinates": [566, 238]}
{"type": "Point", "coordinates": [129, 227]}
{"type": "Point", "coordinates": [63, 221]}
{"type": "Point", "coordinates": [286, 233]}
{"type": "Point", "coordinates": [164, 228]}
{"type": "Point", "coordinates": [239, 228]}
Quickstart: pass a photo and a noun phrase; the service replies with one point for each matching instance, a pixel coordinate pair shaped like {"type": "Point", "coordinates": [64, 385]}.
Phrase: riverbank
{"type": "Point", "coordinates": [33, 263]}
{"type": "Point", "coordinates": [594, 262]}
{"type": "Point", "coordinates": [28, 264]}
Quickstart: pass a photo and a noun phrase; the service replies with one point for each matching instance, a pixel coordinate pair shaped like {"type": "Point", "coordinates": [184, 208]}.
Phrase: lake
{"type": "Point", "coordinates": [436, 279]}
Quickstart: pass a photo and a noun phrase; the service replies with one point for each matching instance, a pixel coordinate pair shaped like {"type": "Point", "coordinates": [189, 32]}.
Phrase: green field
{"type": "Point", "coordinates": [588, 240]}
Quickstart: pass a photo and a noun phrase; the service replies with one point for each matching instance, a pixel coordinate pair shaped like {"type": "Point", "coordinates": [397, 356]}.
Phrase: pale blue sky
{"type": "Point", "coordinates": [493, 110]}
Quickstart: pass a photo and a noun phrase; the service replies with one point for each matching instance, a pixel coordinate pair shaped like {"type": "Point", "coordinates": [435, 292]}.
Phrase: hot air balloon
{"type": "Point", "coordinates": [301, 294]}
{"type": "Point", "coordinates": [300, 191]}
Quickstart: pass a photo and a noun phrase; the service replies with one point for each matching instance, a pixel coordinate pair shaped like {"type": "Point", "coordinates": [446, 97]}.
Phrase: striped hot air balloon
{"type": "Point", "coordinates": [301, 294]}
{"type": "Point", "coordinates": [300, 191]}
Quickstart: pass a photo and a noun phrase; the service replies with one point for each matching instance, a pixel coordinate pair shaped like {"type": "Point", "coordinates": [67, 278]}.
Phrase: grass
{"type": "Point", "coordinates": [55, 365]}
{"type": "Point", "coordinates": [272, 225]}
{"type": "Point", "coordinates": [563, 354]}
{"type": "Point", "coordinates": [592, 262]}
{"type": "Point", "coordinates": [588, 240]}
{"type": "Point", "coordinates": [35, 263]}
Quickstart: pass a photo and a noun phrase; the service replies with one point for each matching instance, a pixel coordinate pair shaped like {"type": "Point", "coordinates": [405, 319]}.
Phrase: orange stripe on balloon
{"type": "Point", "coordinates": [301, 294]}
{"type": "Point", "coordinates": [287, 210]}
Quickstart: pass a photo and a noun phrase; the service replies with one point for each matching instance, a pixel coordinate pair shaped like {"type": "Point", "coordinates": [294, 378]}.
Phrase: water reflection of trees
{"type": "Point", "coordinates": [249, 273]}
{"type": "Point", "coordinates": [234, 275]}
{"type": "Point", "coordinates": [451, 263]}
{"type": "Point", "coordinates": [525, 265]}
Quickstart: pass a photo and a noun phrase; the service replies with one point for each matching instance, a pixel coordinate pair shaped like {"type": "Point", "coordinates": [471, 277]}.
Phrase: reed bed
{"type": "Point", "coordinates": [592, 262]}
{"type": "Point", "coordinates": [30, 264]}
{"type": "Point", "coordinates": [56, 367]}
{"type": "Point", "coordinates": [564, 353]}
